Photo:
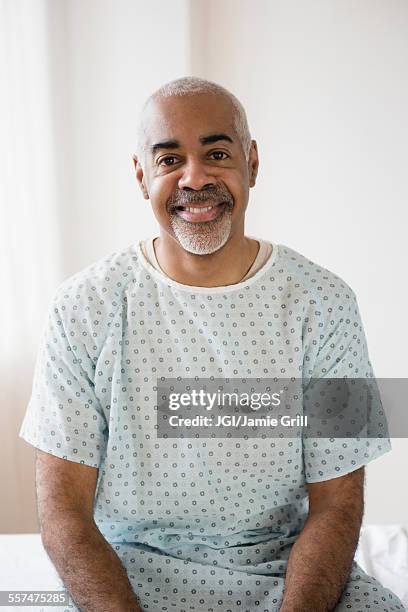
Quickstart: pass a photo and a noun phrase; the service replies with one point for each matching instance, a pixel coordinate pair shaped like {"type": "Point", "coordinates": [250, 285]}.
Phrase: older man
{"type": "Point", "coordinates": [136, 521]}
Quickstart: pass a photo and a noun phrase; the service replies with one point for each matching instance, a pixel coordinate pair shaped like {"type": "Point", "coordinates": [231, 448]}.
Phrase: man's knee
{"type": "Point", "coordinates": [364, 593]}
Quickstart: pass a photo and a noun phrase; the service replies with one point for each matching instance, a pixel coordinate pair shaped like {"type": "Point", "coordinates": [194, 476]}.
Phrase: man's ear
{"type": "Point", "coordinates": [140, 177]}
{"type": "Point", "coordinates": [253, 163]}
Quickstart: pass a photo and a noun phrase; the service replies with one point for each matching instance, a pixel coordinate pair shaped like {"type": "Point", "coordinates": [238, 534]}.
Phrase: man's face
{"type": "Point", "coordinates": [194, 170]}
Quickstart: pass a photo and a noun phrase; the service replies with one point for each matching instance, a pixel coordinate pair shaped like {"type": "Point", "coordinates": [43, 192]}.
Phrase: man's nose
{"type": "Point", "coordinates": [196, 176]}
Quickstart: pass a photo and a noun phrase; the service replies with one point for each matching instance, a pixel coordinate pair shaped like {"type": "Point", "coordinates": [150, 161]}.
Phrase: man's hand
{"type": "Point", "coordinates": [320, 561]}
{"type": "Point", "coordinates": [87, 564]}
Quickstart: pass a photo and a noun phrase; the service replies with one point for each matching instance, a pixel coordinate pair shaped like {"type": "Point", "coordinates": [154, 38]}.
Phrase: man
{"type": "Point", "coordinates": [135, 521]}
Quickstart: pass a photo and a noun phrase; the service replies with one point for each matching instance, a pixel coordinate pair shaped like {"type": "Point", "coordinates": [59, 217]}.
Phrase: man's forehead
{"type": "Point", "coordinates": [196, 116]}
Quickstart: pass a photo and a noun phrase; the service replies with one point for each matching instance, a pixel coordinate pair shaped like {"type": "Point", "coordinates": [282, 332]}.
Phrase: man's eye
{"type": "Point", "coordinates": [219, 153]}
{"type": "Point", "coordinates": [168, 161]}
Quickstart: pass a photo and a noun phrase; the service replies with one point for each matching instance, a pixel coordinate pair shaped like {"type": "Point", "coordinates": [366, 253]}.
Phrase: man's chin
{"type": "Point", "coordinates": [198, 250]}
{"type": "Point", "coordinates": [202, 238]}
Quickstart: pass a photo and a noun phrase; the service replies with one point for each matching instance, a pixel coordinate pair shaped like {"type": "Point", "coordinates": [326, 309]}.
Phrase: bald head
{"type": "Point", "coordinates": [192, 86]}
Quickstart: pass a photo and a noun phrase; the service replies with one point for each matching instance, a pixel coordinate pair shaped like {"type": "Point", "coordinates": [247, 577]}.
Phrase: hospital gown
{"type": "Point", "coordinates": [199, 524]}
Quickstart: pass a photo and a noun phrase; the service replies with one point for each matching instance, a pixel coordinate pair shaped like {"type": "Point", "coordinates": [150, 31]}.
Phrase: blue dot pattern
{"type": "Point", "coordinates": [204, 524]}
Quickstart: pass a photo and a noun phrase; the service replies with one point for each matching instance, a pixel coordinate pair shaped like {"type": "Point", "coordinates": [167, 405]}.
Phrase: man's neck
{"type": "Point", "coordinates": [226, 266]}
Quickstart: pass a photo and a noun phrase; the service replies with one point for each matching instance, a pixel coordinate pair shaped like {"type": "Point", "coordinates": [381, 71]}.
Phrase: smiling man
{"type": "Point", "coordinates": [136, 521]}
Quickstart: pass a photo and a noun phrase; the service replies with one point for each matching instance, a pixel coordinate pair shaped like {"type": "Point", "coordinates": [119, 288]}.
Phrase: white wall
{"type": "Point", "coordinates": [325, 88]}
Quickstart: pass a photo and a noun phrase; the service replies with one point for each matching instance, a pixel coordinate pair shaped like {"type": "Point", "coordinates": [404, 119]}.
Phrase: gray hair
{"type": "Point", "coordinates": [194, 85]}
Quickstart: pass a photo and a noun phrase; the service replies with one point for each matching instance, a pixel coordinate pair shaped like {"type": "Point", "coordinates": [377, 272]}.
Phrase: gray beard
{"type": "Point", "coordinates": [202, 238]}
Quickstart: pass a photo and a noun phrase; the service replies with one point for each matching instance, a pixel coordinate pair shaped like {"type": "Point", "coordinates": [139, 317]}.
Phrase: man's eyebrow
{"type": "Point", "coordinates": [215, 138]}
{"type": "Point", "coordinates": [165, 144]}
{"type": "Point", "coordinates": [204, 140]}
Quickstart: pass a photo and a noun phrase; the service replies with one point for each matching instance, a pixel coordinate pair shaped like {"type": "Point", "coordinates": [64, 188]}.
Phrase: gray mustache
{"type": "Point", "coordinates": [186, 198]}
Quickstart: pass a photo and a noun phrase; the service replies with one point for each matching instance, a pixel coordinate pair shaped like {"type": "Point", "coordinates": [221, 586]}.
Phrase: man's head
{"type": "Point", "coordinates": [195, 152]}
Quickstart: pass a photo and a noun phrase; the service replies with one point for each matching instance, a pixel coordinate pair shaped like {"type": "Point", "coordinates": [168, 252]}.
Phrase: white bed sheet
{"type": "Point", "coordinates": [382, 553]}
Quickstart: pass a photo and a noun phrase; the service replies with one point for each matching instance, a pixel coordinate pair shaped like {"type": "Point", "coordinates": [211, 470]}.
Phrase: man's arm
{"type": "Point", "coordinates": [86, 563]}
{"type": "Point", "coordinates": [320, 561]}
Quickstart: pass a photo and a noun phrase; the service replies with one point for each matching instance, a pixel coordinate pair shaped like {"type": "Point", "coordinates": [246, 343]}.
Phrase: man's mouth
{"type": "Point", "coordinates": [200, 213]}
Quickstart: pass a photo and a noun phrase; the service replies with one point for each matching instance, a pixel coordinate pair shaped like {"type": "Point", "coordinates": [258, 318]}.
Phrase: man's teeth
{"type": "Point", "coordinates": [197, 210]}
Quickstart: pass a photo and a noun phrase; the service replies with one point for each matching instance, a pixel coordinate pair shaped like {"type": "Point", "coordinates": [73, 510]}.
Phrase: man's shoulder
{"type": "Point", "coordinates": [94, 296]}
{"type": "Point", "coordinates": [310, 275]}
{"type": "Point", "coordinates": [106, 276]}
{"type": "Point", "coordinates": [89, 303]}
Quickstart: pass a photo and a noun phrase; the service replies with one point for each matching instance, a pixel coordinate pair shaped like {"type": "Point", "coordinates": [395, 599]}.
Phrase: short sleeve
{"type": "Point", "coordinates": [341, 353]}
{"type": "Point", "coordinates": [63, 416]}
